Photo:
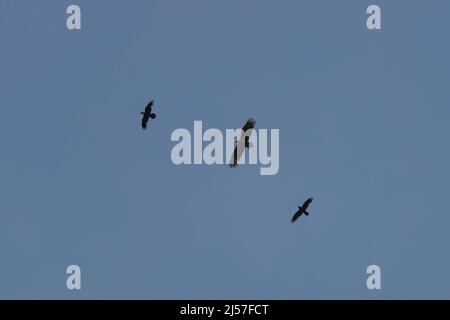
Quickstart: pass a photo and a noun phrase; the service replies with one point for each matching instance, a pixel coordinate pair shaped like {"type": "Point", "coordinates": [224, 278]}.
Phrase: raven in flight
{"type": "Point", "coordinates": [244, 142]}
{"type": "Point", "coordinates": [302, 210]}
{"type": "Point", "coordinates": [147, 114]}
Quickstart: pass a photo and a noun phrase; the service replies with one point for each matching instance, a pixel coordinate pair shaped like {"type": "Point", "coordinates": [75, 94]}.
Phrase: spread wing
{"type": "Point", "coordinates": [296, 216]}
{"type": "Point", "coordinates": [144, 121]}
{"type": "Point", "coordinates": [148, 108]}
{"type": "Point", "coordinates": [307, 203]}
{"type": "Point", "coordinates": [237, 154]}
{"type": "Point", "coordinates": [233, 160]}
{"type": "Point", "coordinates": [250, 124]}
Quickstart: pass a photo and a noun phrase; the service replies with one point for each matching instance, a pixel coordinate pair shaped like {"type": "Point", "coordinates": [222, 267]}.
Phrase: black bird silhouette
{"type": "Point", "coordinates": [302, 210]}
{"type": "Point", "coordinates": [147, 114]}
{"type": "Point", "coordinates": [244, 142]}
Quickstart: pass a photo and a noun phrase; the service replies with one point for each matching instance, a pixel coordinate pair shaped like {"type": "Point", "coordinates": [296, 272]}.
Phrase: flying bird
{"type": "Point", "coordinates": [147, 114]}
{"type": "Point", "coordinates": [302, 210]}
{"type": "Point", "coordinates": [244, 142]}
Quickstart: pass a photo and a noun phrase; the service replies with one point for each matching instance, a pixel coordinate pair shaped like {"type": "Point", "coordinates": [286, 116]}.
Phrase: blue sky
{"type": "Point", "coordinates": [363, 120]}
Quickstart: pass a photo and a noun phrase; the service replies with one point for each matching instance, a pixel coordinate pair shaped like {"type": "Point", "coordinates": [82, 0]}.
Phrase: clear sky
{"type": "Point", "coordinates": [364, 126]}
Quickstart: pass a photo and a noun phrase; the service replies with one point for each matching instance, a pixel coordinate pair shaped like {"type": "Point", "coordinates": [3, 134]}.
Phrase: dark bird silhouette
{"type": "Point", "coordinates": [302, 210]}
{"type": "Point", "coordinates": [147, 114]}
{"type": "Point", "coordinates": [244, 142]}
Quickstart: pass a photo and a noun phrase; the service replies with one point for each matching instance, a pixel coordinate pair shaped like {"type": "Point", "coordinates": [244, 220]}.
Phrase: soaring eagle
{"type": "Point", "coordinates": [244, 142]}
{"type": "Point", "coordinates": [147, 114]}
{"type": "Point", "coordinates": [302, 210]}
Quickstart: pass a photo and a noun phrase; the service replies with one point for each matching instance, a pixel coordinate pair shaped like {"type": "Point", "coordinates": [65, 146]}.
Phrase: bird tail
{"type": "Point", "coordinates": [307, 213]}
{"type": "Point", "coordinates": [153, 116]}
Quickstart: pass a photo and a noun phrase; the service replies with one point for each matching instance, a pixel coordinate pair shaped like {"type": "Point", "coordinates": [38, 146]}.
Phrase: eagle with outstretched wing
{"type": "Point", "coordinates": [302, 210]}
{"type": "Point", "coordinates": [147, 114]}
{"type": "Point", "coordinates": [243, 143]}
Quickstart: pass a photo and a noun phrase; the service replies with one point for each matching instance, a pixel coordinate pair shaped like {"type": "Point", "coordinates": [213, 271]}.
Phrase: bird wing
{"type": "Point", "coordinates": [307, 203]}
{"type": "Point", "coordinates": [144, 121]}
{"type": "Point", "coordinates": [247, 130]}
{"type": "Point", "coordinates": [250, 124]}
{"type": "Point", "coordinates": [148, 108]}
{"type": "Point", "coordinates": [237, 154]}
{"type": "Point", "coordinates": [296, 216]}
{"type": "Point", "coordinates": [233, 160]}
